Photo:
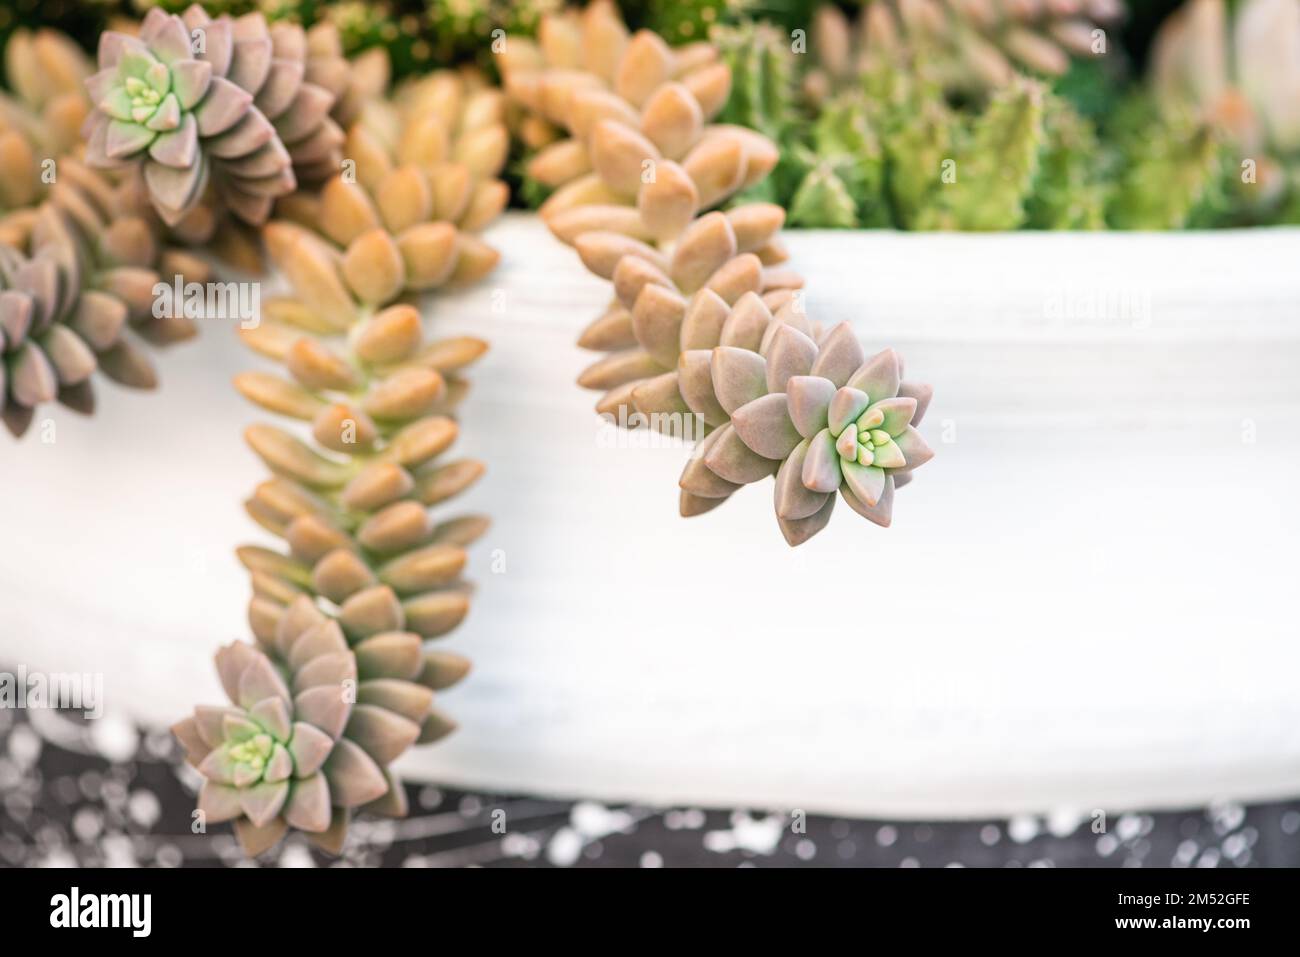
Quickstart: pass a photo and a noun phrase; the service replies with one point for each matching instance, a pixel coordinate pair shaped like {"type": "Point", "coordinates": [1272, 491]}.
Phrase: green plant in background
{"type": "Point", "coordinates": [970, 48]}
{"type": "Point", "coordinates": [1069, 192]}
{"type": "Point", "coordinates": [843, 171]}
{"type": "Point", "coordinates": [682, 21]}
{"type": "Point", "coordinates": [866, 116]}
{"type": "Point", "coordinates": [1236, 70]}
{"type": "Point", "coordinates": [763, 97]}
{"type": "Point", "coordinates": [1166, 172]}
{"type": "Point", "coordinates": [685, 21]}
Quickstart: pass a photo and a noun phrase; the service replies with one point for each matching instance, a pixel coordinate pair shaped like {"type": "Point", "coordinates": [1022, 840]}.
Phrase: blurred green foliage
{"type": "Point", "coordinates": [1088, 151]}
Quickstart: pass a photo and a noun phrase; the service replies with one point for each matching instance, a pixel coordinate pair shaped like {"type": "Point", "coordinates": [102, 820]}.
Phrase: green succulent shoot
{"type": "Point", "coordinates": [150, 104]}
{"type": "Point", "coordinates": [859, 443]}
{"type": "Point", "coordinates": [236, 110]}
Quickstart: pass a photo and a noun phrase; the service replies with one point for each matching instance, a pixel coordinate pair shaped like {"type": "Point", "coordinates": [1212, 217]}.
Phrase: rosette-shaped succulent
{"type": "Point", "coordinates": [778, 395]}
{"type": "Point", "coordinates": [199, 101]}
{"type": "Point", "coordinates": [79, 273]}
{"type": "Point", "coordinates": [311, 729]}
{"type": "Point", "coordinates": [968, 45]}
{"type": "Point", "coordinates": [421, 181]}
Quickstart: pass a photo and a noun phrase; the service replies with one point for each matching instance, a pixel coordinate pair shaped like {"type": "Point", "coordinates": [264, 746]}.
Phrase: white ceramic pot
{"type": "Point", "coordinates": [1087, 600]}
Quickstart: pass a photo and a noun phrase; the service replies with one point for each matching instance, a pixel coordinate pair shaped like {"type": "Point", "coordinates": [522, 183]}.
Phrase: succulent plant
{"type": "Point", "coordinates": [781, 396]}
{"type": "Point", "coordinates": [763, 81]}
{"type": "Point", "coordinates": [379, 400]}
{"type": "Point", "coordinates": [640, 154]}
{"type": "Point", "coordinates": [79, 273]}
{"type": "Point", "coordinates": [366, 565]}
{"type": "Point", "coordinates": [968, 46]}
{"type": "Point", "coordinates": [840, 170]}
{"type": "Point", "coordinates": [1242, 80]}
{"type": "Point", "coordinates": [1168, 171]}
{"type": "Point", "coordinates": [312, 726]}
{"type": "Point", "coordinates": [353, 81]}
{"type": "Point", "coordinates": [1069, 192]}
{"type": "Point", "coordinates": [639, 165]}
{"type": "Point", "coordinates": [644, 330]}
{"type": "Point", "coordinates": [45, 71]}
{"type": "Point", "coordinates": [196, 100]}
{"type": "Point", "coordinates": [421, 180]}
{"type": "Point", "coordinates": [995, 159]}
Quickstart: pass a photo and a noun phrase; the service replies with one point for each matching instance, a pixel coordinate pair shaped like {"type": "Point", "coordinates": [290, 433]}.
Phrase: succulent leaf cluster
{"type": "Point", "coordinates": [638, 169]}
{"type": "Point", "coordinates": [367, 576]}
{"type": "Point", "coordinates": [420, 181]}
{"type": "Point", "coordinates": [199, 102]}
{"type": "Point", "coordinates": [77, 278]}
{"type": "Point", "coordinates": [312, 726]}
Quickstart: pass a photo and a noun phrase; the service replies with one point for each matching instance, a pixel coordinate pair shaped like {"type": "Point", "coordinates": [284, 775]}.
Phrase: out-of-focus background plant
{"type": "Point", "coordinates": [928, 114]}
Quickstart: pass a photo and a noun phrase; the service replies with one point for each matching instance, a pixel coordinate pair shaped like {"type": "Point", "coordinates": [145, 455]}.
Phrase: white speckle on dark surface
{"type": "Point", "coordinates": [169, 855]}
{"type": "Point", "coordinates": [24, 746]}
{"type": "Point", "coordinates": [753, 834]}
{"type": "Point", "coordinates": [1064, 821]}
{"type": "Point", "coordinates": [114, 736]}
{"type": "Point", "coordinates": [564, 848]}
{"type": "Point", "coordinates": [296, 854]}
{"type": "Point", "coordinates": [1022, 829]}
{"type": "Point", "coordinates": [87, 824]}
{"type": "Point", "coordinates": [64, 802]}
{"type": "Point", "coordinates": [144, 808]}
{"type": "Point", "coordinates": [1128, 827]}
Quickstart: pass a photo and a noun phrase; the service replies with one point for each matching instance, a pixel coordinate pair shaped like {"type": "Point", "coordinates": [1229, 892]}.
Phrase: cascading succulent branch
{"type": "Point", "coordinates": [635, 180]}
{"type": "Point", "coordinates": [368, 576]}
{"type": "Point", "coordinates": [198, 102]}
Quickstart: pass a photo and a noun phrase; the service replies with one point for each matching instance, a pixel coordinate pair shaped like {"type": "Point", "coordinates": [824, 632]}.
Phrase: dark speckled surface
{"type": "Point", "coordinates": [103, 793]}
